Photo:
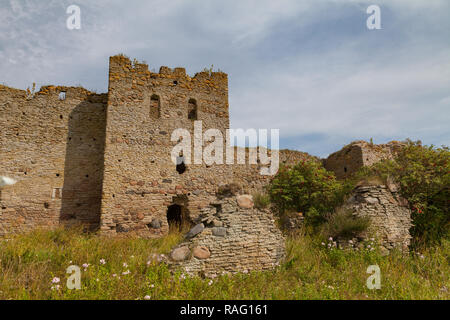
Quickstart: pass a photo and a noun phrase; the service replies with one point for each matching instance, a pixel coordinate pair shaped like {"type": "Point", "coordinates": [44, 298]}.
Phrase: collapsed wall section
{"type": "Point", "coordinates": [389, 214]}
{"type": "Point", "coordinates": [355, 155]}
{"type": "Point", "coordinates": [232, 237]}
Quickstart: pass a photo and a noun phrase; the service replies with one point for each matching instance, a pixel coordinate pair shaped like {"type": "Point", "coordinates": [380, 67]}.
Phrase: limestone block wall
{"type": "Point", "coordinates": [389, 213]}
{"type": "Point", "coordinates": [54, 149]}
{"type": "Point", "coordinates": [357, 154]}
{"type": "Point", "coordinates": [235, 238]}
{"type": "Point", "coordinates": [144, 108]}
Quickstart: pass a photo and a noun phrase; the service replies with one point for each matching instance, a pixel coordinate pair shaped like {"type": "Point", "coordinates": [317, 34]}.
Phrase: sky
{"type": "Point", "coordinates": [310, 68]}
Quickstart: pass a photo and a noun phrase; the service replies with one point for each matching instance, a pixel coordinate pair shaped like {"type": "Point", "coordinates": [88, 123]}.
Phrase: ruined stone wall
{"type": "Point", "coordinates": [140, 179]}
{"type": "Point", "coordinates": [233, 237]}
{"type": "Point", "coordinates": [357, 154]}
{"type": "Point", "coordinates": [54, 149]}
{"type": "Point", "coordinates": [389, 214]}
{"type": "Point", "coordinates": [249, 176]}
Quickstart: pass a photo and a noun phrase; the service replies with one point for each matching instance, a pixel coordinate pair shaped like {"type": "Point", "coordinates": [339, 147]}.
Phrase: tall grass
{"type": "Point", "coordinates": [29, 262]}
{"type": "Point", "coordinates": [343, 224]}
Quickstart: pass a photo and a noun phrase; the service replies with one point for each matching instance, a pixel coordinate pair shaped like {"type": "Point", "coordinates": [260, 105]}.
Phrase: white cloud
{"type": "Point", "coordinates": [306, 67]}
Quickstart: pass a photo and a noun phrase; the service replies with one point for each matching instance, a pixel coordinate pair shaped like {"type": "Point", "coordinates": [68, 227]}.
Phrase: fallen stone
{"type": "Point", "coordinates": [201, 252]}
{"type": "Point", "coordinates": [245, 201]}
{"type": "Point", "coordinates": [195, 230]}
{"type": "Point", "coordinates": [180, 254]}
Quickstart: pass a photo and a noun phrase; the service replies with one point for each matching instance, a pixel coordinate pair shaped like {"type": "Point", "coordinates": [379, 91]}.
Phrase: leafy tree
{"type": "Point", "coordinates": [309, 188]}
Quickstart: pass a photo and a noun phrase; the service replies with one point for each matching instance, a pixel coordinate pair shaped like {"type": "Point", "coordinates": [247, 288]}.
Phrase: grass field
{"type": "Point", "coordinates": [118, 269]}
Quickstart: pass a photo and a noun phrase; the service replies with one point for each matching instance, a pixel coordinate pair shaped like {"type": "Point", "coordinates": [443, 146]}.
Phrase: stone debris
{"type": "Point", "coordinates": [249, 240]}
{"type": "Point", "coordinates": [180, 253]}
{"type": "Point", "coordinates": [201, 252]}
{"type": "Point", "coordinates": [245, 201]}
{"type": "Point", "coordinates": [195, 230]}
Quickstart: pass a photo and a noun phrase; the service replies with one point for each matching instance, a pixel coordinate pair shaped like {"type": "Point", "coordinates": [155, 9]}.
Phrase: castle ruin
{"type": "Point", "coordinates": [103, 161]}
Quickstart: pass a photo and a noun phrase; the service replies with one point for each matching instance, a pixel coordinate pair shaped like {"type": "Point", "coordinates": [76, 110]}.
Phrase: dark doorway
{"type": "Point", "coordinates": [174, 217]}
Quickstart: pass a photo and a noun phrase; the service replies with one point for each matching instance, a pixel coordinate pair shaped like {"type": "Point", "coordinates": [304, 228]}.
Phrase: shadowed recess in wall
{"type": "Point", "coordinates": [83, 170]}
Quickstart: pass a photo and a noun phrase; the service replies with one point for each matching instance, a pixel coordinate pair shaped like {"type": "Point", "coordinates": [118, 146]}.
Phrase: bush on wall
{"type": "Point", "coordinates": [309, 188]}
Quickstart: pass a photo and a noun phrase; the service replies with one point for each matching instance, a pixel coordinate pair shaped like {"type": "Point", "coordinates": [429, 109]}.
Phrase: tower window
{"type": "Point", "coordinates": [192, 109]}
{"type": "Point", "coordinates": [181, 166]}
{"type": "Point", "coordinates": [155, 107]}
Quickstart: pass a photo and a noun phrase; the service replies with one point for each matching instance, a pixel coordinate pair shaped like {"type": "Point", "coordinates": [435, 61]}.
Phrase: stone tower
{"type": "Point", "coordinates": [143, 190]}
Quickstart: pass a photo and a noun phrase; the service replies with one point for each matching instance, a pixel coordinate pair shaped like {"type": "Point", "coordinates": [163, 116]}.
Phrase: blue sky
{"type": "Point", "coordinates": [309, 68]}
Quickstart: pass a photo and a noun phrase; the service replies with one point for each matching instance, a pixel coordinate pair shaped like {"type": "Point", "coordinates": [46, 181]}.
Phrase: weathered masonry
{"type": "Point", "coordinates": [103, 160]}
{"type": "Point", "coordinates": [357, 154]}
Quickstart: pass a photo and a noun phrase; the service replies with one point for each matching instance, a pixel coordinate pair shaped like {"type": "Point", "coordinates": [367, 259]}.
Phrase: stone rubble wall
{"type": "Point", "coordinates": [236, 238]}
{"type": "Point", "coordinates": [249, 176]}
{"type": "Point", "coordinates": [357, 154]}
{"type": "Point", "coordinates": [389, 214]}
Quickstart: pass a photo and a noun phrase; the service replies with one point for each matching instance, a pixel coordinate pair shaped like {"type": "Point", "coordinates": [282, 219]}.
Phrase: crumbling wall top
{"type": "Point", "coordinates": [141, 69]}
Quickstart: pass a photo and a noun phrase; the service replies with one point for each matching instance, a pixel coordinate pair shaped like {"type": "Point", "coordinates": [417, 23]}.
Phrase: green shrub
{"type": "Point", "coordinates": [423, 174]}
{"type": "Point", "coordinates": [261, 200]}
{"type": "Point", "coordinates": [343, 224]}
{"type": "Point", "coordinates": [309, 188]}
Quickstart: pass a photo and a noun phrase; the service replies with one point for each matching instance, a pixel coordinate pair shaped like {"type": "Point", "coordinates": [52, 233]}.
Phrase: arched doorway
{"type": "Point", "coordinates": [178, 216]}
{"type": "Point", "coordinates": [174, 217]}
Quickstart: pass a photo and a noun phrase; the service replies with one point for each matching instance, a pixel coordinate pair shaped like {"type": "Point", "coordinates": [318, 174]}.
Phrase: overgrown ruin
{"type": "Point", "coordinates": [103, 161]}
